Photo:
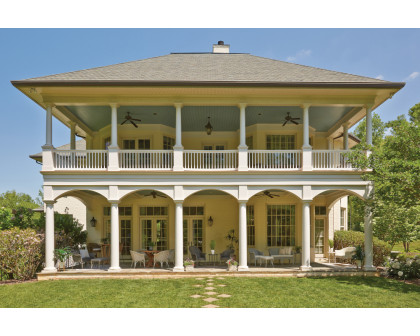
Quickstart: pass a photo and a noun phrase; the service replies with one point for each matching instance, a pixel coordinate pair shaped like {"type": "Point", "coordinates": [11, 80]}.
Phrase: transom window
{"type": "Point", "coordinates": [122, 211]}
{"type": "Point", "coordinates": [320, 210]}
{"type": "Point", "coordinates": [194, 211]}
{"type": "Point", "coordinates": [153, 211]}
{"type": "Point", "coordinates": [168, 142]}
{"type": "Point", "coordinates": [278, 142]}
{"type": "Point", "coordinates": [250, 225]}
{"type": "Point", "coordinates": [280, 225]}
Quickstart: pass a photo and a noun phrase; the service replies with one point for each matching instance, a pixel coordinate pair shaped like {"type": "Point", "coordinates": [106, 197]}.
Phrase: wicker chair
{"type": "Point", "coordinates": [196, 254]}
{"type": "Point", "coordinates": [162, 257]}
{"type": "Point", "coordinates": [225, 255]}
{"type": "Point", "coordinates": [172, 256]}
{"type": "Point", "coordinates": [255, 254]}
{"type": "Point", "coordinates": [137, 257]}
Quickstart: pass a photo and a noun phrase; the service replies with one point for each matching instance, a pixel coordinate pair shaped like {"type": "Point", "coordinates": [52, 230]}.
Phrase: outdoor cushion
{"type": "Point", "coordinates": [285, 250]}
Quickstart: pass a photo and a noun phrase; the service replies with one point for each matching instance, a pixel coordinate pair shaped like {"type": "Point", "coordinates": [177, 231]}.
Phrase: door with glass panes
{"type": "Point", "coordinates": [125, 214]}
{"type": "Point", "coordinates": [154, 228]}
{"type": "Point", "coordinates": [193, 228]}
{"type": "Point", "coordinates": [213, 160]}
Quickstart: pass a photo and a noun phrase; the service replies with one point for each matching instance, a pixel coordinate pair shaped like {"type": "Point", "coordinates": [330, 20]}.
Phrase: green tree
{"type": "Point", "coordinates": [395, 171]}
{"type": "Point", "coordinates": [13, 200]}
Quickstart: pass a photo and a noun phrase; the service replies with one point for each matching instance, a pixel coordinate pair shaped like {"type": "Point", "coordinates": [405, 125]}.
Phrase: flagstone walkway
{"type": "Point", "coordinates": [210, 295]}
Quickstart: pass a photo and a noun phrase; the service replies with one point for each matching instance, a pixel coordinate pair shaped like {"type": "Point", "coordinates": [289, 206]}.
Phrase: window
{"type": "Point", "coordinates": [249, 141]}
{"type": "Point", "coordinates": [278, 142]}
{"type": "Point", "coordinates": [122, 211]}
{"type": "Point", "coordinates": [194, 211]}
{"type": "Point", "coordinates": [280, 225]}
{"type": "Point", "coordinates": [125, 236]}
{"type": "Point", "coordinates": [319, 235]}
{"type": "Point", "coordinates": [250, 225]}
{"type": "Point", "coordinates": [168, 143]}
{"type": "Point", "coordinates": [129, 144]}
{"type": "Point", "coordinates": [143, 144]}
{"type": "Point", "coordinates": [320, 211]}
{"type": "Point", "coordinates": [193, 227]}
{"type": "Point", "coordinates": [154, 227]}
{"type": "Point", "coordinates": [342, 219]}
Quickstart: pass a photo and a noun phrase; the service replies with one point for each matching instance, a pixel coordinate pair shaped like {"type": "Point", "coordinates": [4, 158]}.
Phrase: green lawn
{"type": "Point", "coordinates": [414, 247]}
{"type": "Point", "coordinates": [246, 292]}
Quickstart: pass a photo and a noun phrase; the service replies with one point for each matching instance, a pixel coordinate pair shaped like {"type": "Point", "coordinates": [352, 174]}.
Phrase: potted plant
{"type": "Point", "coordinates": [61, 256]}
{"type": "Point", "coordinates": [212, 246]}
{"type": "Point", "coordinates": [150, 245]}
{"type": "Point", "coordinates": [359, 256]}
{"type": "Point", "coordinates": [189, 265]}
{"type": "Point", "coordinates": [232, 239]}
{"type": "Point", "coordinates": [331, 243]}
{"type": "Point", "coordinates": [232, 265]}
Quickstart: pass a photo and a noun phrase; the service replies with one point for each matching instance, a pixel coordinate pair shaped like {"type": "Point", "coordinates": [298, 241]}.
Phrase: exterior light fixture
{"type": "Point", "coordinates": [93, 222]}
{"type": "Point", "coordinates": [208, 127]}
{"type": "Point", "coordinates": [210, 221]}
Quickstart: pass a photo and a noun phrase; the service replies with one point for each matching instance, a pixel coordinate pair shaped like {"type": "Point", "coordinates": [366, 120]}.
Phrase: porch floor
{"type": "Point", "coordinates": [318, 270]}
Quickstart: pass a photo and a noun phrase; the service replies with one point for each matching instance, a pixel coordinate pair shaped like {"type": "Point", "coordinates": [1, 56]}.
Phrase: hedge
{"type": "Point", "coordinates": [381, 250]}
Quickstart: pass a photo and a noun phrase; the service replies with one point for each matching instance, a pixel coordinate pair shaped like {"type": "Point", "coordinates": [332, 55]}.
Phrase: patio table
{"type": "Point", "coordinates": [213, 258]}
{"type": "Point", "coordinates": [150, 257]}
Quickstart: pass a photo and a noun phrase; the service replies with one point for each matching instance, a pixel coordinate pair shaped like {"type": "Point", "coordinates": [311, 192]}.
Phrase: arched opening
{"type": "Point", "coordinates": [209, 217]}
{"type": "Point", "coordinates": [329, 213]}
{"type": "Point", "coordinates": [274, 223]}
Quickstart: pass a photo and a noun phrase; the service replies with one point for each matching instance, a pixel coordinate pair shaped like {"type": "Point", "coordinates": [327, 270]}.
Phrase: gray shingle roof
{"type": "Point", "coordinates": [209, 67]}
{"type": "Point", "coordinates": [80, 145]}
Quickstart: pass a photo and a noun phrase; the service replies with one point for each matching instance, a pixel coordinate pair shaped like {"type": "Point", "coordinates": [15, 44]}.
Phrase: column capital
{"type": "Point", "coordinates": [49, 105]}
{"type": "Point", "coordinates": [305, 105]}
{"type": "Point", "coordinates": [178, 105]}
{"type": "Point", "coordinates": [242, 105]}
{"type": "Point", "coordinates": [113, 202]}
{"type": "Point", "coordinates": [368, 107]}
{"type": "Point", "coordinates": [242, 202]}
{"type": "Point", "coordinates": [49, 202]}
{"type": "Point", "coordinates": [114, 105]}
{"type": "Point", "coordinates": [178, 202]}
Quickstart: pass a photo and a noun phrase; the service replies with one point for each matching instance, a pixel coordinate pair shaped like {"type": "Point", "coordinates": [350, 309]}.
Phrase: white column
{"type": "Point", "coordinates": [113, 150]}
{"type": "Point", "coordinates": [243, 253]}
{"type": "Point", "coordinates": [49, 238]}
{"type": "Point", "coordinates": [306, 147]}
{"type": "Point", "coordinates": [72, 135]}
{"type": "Point", "coordinates": [306, 239]}
{"type": "Point", "coordinates": [115, 238]}
{"type": "Point", "coordinates": [242, 148]}
{"type": "Point", "coordinates": [345, 136]}
{"type": "Point", "coordinates": [368, 240]}
{"type": "Point", "coordinates": [114, 126]}
{"type": "Point", "coordinates": [330, 143]}
{"type": "Point", "coordinates": [179, 241]}
{"type": "Point", "coordinates": [178, 148]}
{"type": "Point", "coordinates": [369, 125]}
{"type": "Point", "coordinates": [48, 131]}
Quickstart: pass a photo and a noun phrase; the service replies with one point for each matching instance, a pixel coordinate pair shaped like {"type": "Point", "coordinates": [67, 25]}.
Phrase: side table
{"type": "Point", "coordinates": [213, 258]}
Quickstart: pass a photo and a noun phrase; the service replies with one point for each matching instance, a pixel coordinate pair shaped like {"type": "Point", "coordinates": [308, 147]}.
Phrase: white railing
{"type": "Point", "coordinates": [210, 159]}
{"type": "Point", "coordinates": [146, 159]}
{"type": "Point", "coordinates": [274, 159]}
{"type": "Point", "coordinates": [80, 159]}
{"type": "Point", "coordinates": [330, 159]}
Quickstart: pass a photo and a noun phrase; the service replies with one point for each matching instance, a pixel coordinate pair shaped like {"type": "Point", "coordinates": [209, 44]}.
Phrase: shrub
{"type": "Point", "coordinates": [21, 253]}
{"type": "Point", "coordinates": [381, 250]}
{"type": "Point", "coordinates": [404, 268]}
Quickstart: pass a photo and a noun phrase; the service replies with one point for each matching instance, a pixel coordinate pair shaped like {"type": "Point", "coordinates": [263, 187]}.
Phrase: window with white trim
{"type": "Point", "coordinates": [280, 225]}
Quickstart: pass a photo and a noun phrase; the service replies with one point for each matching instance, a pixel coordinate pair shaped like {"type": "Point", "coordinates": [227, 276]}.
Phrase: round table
{"type": "Point", "coordinates": [150, 257]}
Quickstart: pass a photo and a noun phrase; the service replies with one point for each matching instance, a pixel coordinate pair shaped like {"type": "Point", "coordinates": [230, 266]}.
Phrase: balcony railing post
{"type": "Point", "coordinates": [307, 159]}
{"type": "Point", "coordinates": [243, 159]}
{"type": "Point", "coordinates": [47, 158]}
{"type": "Point", "coordinates": [113, 157]}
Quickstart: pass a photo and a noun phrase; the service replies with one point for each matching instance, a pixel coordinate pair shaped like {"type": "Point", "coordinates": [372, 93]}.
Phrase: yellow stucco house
{"type": "Point", "coordinates": [182, 148]}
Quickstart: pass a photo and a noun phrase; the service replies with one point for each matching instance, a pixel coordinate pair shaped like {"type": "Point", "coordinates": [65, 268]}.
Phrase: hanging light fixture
{"type": "Point", "coordinates": [93, 222]}
{"type": "Point", "coordinates": [208, 127]}
{"type": "Point", "coordinates": [210, 221]}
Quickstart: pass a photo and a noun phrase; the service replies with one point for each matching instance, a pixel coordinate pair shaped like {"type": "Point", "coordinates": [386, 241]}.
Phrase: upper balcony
{"type": "Point", "coordinates": [206, 139]}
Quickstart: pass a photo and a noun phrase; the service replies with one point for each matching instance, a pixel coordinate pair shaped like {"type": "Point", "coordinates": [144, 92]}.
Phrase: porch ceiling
{"type": "Point", "coordinates": [223, 118]}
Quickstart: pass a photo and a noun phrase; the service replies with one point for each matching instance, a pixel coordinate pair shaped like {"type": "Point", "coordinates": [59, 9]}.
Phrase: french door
{"type": "Point", "coordinates": [193, 233]}
{"type": "Point", "coordinates": [319, 235]}
{"type": "Point", "coordinates": [154, 232]}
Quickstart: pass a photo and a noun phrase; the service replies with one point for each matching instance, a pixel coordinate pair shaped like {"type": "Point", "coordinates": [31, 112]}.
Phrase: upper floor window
{"type": "Point", "coordinates": [342, 219]}
{"type": "Point", "coordinates": [168, 142]}
{"type": "Point", "coordinates": [144, 143]}
{"type": "Point", "coordinates": [249, 141]}
{"type": "Point", "coordinates": [320, 210]}
{"type": "Point", "coordinates": [276, 142]}
{"type": "Point", "coordinates": [129, 144]}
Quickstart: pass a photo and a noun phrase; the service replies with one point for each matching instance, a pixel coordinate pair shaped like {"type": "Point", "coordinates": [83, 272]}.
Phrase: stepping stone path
{"type": "Point", "coordinates": [210, 291]}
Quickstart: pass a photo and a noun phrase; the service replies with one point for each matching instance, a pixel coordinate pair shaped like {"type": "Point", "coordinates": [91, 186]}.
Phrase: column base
{"type": "Point", "coordinates": [305, 268]}
{"type": "Point", "coordinates": [243, 268]}
{"type": "Point", "coordinates": [49, 270]}
{"type": "Point", "coordinates": [178, 168]}
{"type": "Point", "coordinates": [178, 269]}
{"type": "Point", "coordinates": [114, 269]}
{"type": "Point", "coordinates": [369, 268]}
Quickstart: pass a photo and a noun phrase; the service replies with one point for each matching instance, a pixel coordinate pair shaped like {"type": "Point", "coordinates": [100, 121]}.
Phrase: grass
{"type": "Point", "coordinates": [246, 293]}
{"type": "Point", "coordinates": [414, 247]}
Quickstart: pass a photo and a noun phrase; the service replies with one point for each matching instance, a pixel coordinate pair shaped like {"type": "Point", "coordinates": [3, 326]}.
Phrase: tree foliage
{"type": "Point", "coordinates": [395, 172]}
{"type": "Point", "coordinates": [13, 200]}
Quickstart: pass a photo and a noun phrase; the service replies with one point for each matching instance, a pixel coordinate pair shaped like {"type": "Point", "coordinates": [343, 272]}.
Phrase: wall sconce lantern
{"type": "Point", "coordinates": [93, 222]}
{"type": "Point", "coordinates": [208, 127]}
{"type": "Point", "coordinates": [210, 221]}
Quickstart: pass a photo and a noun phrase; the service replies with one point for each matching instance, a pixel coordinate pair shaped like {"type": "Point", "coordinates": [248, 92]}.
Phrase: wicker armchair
{"type": "Point", "coordinates": [225, 255]}
{"type": "Point", "coordinates": [137, 257]}
{"type": "Point", "coordinates": [196, 254]}
{"type": "Point", "coordinates": [162, 257]}
{"type": "Point", "coordinates": [172, 256]}
{"type": "Point", "coordinates": [255, 254]}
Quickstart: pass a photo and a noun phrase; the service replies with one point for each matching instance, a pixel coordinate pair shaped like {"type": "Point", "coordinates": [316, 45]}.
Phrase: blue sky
{"type": "Point", "coordinates": [391, 54]}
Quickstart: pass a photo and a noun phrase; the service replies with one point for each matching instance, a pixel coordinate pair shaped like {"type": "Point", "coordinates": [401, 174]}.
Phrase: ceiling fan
{"type": "Point", "coordinates": [289, 118]}
{"type": "Point", "coordinates": [268, 194]}
{"type": "Point", "coordinates": [154, 194]}
{"type": "Point", "coordinates": [129, 118]}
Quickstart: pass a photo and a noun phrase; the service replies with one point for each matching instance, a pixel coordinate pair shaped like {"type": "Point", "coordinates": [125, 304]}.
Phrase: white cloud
{"type": "Point", "coordinates": [299, 55]}
{"type": "Point", "coordinates": [412, 76]}
{"type": "Point", "coordinates": [379, 77]}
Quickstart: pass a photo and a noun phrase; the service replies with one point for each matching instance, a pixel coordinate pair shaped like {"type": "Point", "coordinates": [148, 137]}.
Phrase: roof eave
{"type": "Point", "coordinates": [45, 83]}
